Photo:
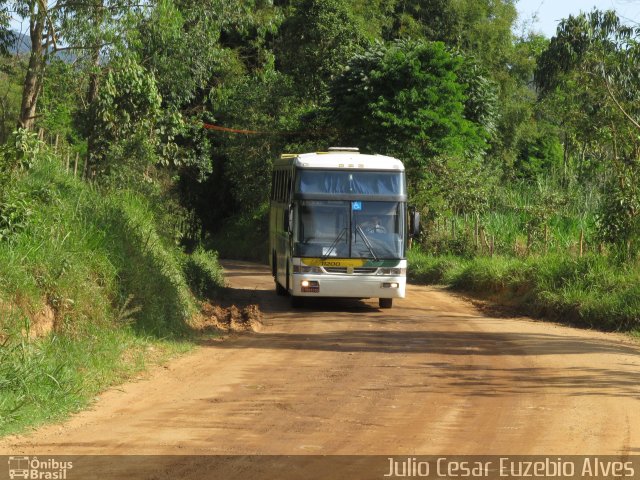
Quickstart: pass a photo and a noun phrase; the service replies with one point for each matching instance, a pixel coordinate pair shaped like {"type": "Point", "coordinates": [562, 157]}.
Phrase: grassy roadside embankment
{"type": "Point", "coordinates": [91, 292]}
{"type": "Point", "coordinates": [592, 290]}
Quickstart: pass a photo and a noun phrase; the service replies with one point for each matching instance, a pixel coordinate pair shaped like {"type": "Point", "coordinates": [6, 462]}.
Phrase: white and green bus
{"type": "Point", "coordinates": [339, 226]}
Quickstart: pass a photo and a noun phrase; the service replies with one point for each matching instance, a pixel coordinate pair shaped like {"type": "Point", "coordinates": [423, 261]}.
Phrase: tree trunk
{"type": "Point", "coordinates": [92, 95]}
{"type": "Point", "coordinates": [35, 70]}
{"type": "Point", "coordinates": [94, 83]}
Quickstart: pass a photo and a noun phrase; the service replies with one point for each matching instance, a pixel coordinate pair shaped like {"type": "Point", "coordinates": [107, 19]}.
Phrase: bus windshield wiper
{"type": "Point", "coordinates": [334, 244]}
{"type": "Point", "coordinates": [366, 241]}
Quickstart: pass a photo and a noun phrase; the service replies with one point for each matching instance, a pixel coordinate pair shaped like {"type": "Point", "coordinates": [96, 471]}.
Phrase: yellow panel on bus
{"type": "Point", "coordinates": [334, 262]}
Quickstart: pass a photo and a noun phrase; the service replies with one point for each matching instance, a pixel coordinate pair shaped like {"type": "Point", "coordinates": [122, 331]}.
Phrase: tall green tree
{"type": "Point", "coordinates": [6, 36]}
{"type": "Point", "coordinates": [405, 99]}
{"type": "Point", "coordinates": [594, 59]}
{"type": "Point", "coordinates": [42, 36]}
{"type": "Point", "coordinates": [126, 115]}
{"type": "Point", "coordinates": [499, 68]}
{"type": "Point", "coordinates": [10, 94]}
{"type": "Point", "coordinates": [84, 28]}
{"type": "Point", "coordinates": [479, 27]}
{"type": "Point", "coordinates": [606, 55]}
{"type": "Point", "coordinates": [435, 20]}
{"type": "Point", "coordinates": [522, 123]}
{"type": "Point", "coordinates": [92, 31]}
{"type": "Point", "coordinates": [316, 42]}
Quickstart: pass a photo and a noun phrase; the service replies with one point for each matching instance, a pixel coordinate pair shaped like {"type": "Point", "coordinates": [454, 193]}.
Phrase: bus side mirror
{"type": "Point", "coordinates": [414, 223]}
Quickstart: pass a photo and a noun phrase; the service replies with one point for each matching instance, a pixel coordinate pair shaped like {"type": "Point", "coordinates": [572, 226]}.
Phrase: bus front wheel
{"type": "Point", "coordinates": [280, 290]}
{"type": "Point", "coordinates": [385, 302]}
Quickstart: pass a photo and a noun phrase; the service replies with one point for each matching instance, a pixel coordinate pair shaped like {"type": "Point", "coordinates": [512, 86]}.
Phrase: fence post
{"type": "Point", "coordinates": [475, 232]}
{"type": "Point", "coordinates": [546, 239]}
{"type": "Point", "coordinates": [75, 165]}
{"type": "Point", "coordinates": [67, 162]}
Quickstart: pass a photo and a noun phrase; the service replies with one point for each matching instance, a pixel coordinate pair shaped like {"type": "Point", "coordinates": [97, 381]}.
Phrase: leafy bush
{"type": "Point", "coordinates": [14, 215]}
{"type": "Point", "coordinates": [22, 151]}
{"type": "Point", "coordinates": [618, 220]}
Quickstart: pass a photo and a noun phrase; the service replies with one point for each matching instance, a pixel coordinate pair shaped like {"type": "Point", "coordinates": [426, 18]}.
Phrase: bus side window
{"type": "Point", "coordinates": [273, 185]}
{"type": "Point", "coordinates": [288, 186]}
{"type": "Point", "coordinates": [280, 186]}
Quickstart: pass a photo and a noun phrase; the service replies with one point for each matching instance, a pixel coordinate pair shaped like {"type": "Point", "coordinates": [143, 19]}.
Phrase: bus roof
{"type": "Point", "coordinates": [340, 159]}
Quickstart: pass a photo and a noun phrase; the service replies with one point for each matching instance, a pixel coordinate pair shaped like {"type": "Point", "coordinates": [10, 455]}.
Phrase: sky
{"type": "Point", "coordinates": [547, 13]}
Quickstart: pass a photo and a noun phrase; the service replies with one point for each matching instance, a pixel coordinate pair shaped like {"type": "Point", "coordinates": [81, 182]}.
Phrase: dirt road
{"type": "Point", "coordinates": [430, 376]}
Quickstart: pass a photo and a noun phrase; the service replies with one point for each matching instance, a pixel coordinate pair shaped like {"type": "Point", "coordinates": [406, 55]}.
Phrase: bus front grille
{"type": "Point", "coordinates": [356, 270]}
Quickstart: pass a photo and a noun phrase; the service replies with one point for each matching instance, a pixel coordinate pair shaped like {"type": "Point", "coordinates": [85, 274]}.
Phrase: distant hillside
{"type": "Point", "coordinates": [21, 44]}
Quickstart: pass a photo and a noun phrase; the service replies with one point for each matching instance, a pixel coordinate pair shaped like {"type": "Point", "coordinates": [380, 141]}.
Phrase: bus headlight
{"type": "Point", "coordinates": [392, 271]}
{"type": "Point", "coordinates": [310, 286]}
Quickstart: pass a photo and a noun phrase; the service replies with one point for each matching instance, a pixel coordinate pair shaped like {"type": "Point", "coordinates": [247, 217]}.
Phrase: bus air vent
{"type": "Point", "coordinates": [344, 149]}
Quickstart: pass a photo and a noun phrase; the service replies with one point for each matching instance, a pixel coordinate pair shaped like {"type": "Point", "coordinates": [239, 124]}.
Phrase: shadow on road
{"type": "Point", "coordinates": [432, 342]}
{"type": "Point", "coordinates": [271, 303]}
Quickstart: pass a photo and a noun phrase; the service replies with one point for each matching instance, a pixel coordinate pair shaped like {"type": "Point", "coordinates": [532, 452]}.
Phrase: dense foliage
{"type": "Point", "coordinates": [407, 99]}
{"type": "Point", "coordinates": [514, 143]}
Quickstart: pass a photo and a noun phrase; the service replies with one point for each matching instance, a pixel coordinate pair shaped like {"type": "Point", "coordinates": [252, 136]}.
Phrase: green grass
{"type": "Point", "coordinates": [536, 264]}
{"type": "Point", "coordinates": [593, 290]}
{"type": "Point", "coordinates": [537, 219]}
{"type": "Point", "coordinates": [45, 380]}
{"type": "Point", "coordinates": [119, 291]}
{"type": "Point", "coordinates": [203, 273]}
{"type": "Point", "coordinates": [149, 269]}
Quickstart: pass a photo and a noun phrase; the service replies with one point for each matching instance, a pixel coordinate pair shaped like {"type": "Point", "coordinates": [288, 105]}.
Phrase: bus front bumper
{"type": "Point", "coordinates": [348, 286]}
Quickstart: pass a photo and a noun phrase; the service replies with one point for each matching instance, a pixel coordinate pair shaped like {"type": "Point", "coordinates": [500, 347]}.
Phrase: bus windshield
{"type": "Point", "coordinates": [350, 182]}
{"type": "Point", "coordinates": [349, 229]}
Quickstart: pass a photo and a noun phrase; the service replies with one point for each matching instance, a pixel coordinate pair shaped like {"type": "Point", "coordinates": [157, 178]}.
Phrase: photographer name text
{"type": "Point", "coordinates": [552, 467]}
